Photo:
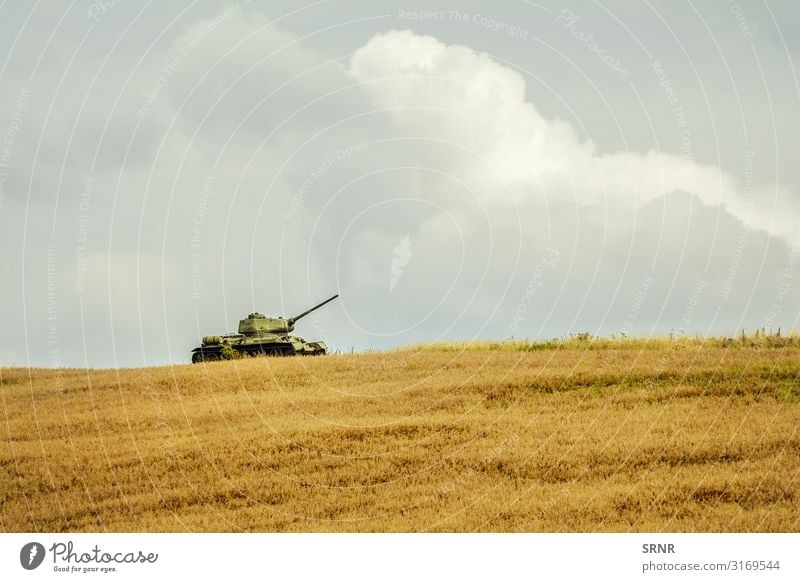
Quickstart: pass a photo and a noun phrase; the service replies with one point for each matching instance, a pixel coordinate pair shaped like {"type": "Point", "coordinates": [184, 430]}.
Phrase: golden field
{"type": "Point", "coordinates": [579, 436]}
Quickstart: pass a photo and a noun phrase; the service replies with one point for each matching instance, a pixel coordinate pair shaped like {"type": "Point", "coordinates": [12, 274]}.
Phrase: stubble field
{"type": "Point", "coordinates": [580, 436]}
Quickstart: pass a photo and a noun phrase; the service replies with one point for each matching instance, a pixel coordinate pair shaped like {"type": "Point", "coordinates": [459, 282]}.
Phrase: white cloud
{"type": "Point", "coordinates": [454, 94]}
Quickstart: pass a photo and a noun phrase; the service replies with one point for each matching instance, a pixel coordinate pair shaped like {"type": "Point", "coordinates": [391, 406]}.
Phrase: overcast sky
{"type": "Point", "coordinates": [452, 170]}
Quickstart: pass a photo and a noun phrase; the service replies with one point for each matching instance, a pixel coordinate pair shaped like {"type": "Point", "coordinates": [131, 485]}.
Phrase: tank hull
{"type": "Point", "coordinates": [291, 347]}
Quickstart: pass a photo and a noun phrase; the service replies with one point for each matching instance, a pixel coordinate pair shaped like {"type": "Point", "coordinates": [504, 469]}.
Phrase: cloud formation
{"type": "Point", "coordinates": [453, 93]}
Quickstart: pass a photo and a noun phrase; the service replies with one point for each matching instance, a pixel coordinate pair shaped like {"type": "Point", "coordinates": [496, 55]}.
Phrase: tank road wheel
{"type": "Point", "coordinates": [274, 352]}
{"type": "Point", "coordinates": [200, 356]}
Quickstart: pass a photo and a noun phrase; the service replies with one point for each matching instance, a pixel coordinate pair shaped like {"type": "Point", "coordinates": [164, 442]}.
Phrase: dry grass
{"type": "Point", "coordinates": [690, 435]}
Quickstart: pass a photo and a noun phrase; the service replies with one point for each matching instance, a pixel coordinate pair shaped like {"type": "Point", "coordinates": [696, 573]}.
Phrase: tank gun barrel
{"type": "Point", "coordinates": [292, 320]}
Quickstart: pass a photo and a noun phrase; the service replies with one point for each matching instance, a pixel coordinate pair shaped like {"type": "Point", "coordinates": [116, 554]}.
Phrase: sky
{"type": "Point", "coordinates": [453, 170]}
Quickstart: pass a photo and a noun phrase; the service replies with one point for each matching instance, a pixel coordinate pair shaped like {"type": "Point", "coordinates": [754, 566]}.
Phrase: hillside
{"type": "Point", "coordinates": [685, 435]}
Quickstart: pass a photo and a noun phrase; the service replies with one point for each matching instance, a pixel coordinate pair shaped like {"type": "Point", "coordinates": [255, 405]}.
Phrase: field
{"type": "Point", "coordinates": [582, 435]}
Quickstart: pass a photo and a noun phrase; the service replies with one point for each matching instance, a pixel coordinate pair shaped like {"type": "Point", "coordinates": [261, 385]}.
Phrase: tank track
{"type": "Point", "coordinates": [214, 353]}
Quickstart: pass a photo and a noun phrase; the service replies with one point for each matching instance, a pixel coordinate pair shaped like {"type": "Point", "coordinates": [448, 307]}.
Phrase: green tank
{"type": "Point", "coordinates": [260, 335]}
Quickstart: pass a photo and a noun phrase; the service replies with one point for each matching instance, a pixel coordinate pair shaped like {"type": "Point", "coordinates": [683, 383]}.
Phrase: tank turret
{"type": "Point", "coordinates": [257, 324]}
{"type": "Point", "coordinates": [262, 335]}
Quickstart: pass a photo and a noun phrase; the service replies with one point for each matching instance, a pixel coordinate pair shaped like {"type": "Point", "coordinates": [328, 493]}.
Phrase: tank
{"type": "Point", "coordinates": [260, 335]}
